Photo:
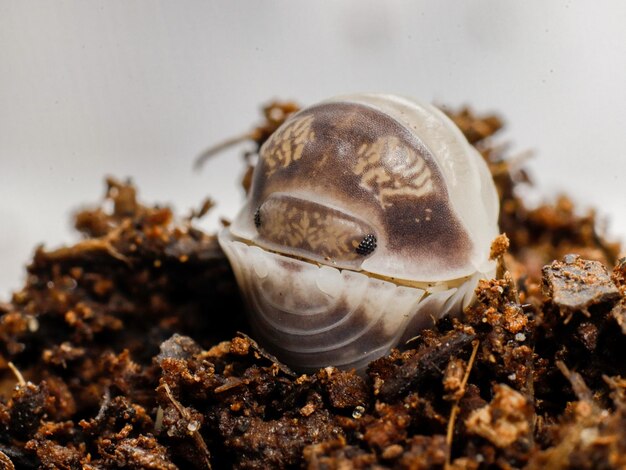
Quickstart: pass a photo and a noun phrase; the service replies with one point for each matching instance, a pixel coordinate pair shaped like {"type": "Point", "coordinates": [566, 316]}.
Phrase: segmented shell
{"type": "Point", "coordinates": [369, 216]}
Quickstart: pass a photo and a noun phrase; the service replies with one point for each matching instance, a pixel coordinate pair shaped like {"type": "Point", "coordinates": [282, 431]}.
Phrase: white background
{"type": "Point", "coordinates": [139, 88]}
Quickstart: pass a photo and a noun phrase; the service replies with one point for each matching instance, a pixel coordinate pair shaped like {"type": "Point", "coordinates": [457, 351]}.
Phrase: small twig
{"type": "Point", "coordinates": [455, 407]}
{"type": "Point", "coordinates": [195, 433]}
{"type": "Point", "coordinates": [423, 364]}
{"type": "Point", "coordinates": [158, 421]}
{"type": "Point", "coordinates": [95, 244]}
{"type": "Point", "coordinates": [211, 151]}
{"type": "Point", "coordinates": [206, 206]}
{"type": "Point", "coordinates": [576, 434]}
{"type": "Point", "coordinates": [263, 353]}
{"type": "Point", "coordinates": [18, 375]}
{"type": "Point", "coordinates": [106, 402]}
{"type": "Point", "coordinates": [577, 382]}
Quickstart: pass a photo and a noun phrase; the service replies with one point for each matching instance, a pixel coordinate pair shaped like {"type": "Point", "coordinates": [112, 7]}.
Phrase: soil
{"type": "Point", "coordinates": [131, 349]}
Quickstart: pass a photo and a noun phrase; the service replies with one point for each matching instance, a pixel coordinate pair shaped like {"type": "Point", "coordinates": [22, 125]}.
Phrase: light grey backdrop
{"type": "Point", "coordinates": [139, 88]}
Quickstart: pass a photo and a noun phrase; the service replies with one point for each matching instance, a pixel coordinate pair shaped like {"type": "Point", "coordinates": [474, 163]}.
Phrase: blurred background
{"type": "Point", "coordinates": [140, 88]}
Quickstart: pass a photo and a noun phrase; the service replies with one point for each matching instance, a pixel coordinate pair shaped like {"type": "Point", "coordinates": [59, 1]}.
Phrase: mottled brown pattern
{"type": "Point", "coordinates": [299, 226]}
{"type": "Point", "coordinates": [287, 144]}
{"type": "Point", "coordinates": [410, 176]}
{"type": "Point", "coordinates": [365, 163]}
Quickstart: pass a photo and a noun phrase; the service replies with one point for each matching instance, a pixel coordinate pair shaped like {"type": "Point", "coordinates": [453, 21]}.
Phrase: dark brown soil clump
{"type": "Point", "coordinates": [129, 349]}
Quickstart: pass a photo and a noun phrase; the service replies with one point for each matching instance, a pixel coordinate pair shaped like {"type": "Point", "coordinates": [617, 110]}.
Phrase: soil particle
{"type": "Point", "coordinates": [576, 284]}
{"type": "Point", "coordinates": [505, 420]}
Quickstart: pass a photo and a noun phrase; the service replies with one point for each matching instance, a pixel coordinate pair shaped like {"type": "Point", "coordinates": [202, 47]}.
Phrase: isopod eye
{"type": "Point", "coordinates": [257, 218]}
{"type": "Point", "coordinates": [367, 245]}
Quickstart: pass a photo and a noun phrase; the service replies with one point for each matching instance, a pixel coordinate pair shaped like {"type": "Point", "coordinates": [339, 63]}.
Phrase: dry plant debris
{"type": "Point", "coordinates": [129, 350]}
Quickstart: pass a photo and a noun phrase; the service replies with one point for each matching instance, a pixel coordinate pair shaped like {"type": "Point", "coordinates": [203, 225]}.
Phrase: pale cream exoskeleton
{"type": "Point", "coordinates": [369, 217]}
